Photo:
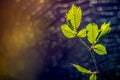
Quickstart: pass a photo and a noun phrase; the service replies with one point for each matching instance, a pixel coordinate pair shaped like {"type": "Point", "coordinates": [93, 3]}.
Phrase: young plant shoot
{"type": "Point", "coordinates": [91, 32]}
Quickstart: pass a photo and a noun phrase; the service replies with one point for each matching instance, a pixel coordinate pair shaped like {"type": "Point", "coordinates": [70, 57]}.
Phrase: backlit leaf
{"type": "Point", "coordinates": [67, 31]}
{"type": "Point", "coordinates": [81, 69]}
{"type": "Point", "coordinates": [73, 17]}
{"type": "Point", "coordinates": [92, 32]}
{"type": "Point", "coordinates": [93, 77]}
{"type": "Point", "coordinates": [100, 49]}
{"type": "Point", "coordinates": [105, 28]}
{"type": "Point", "coordinates": [82, 33]}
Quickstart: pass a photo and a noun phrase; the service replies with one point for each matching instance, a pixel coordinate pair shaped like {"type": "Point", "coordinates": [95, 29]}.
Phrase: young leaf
{"type": "Point", "coordinates": [82, 33]}
{"type": "Point", "coordinates": [105, 28]}
{"type": "Point", "coordinates": [74, 16]}
{"type": "Point", "coordinates": [100, 49]}
{"type": "Point", "coordinates": [93, 77]}
{"type": "Point", "coordinates": [92, 33]}
{"type": "Point", "coordinates": [69, 24]}
{"type": "Point", "coordinates": [68, 32]}
{"type": "Point", "coordinates": [81, 69]}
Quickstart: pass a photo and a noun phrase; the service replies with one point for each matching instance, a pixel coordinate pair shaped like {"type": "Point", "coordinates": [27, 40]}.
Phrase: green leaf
{"type": "Point", "coordinates": [73, 17]}
{"type": "Point", "coordinates": [100, 49]}
{"type": "Point", "coordinates": [81, 69]}
{"type": "Point", "coordinates": [68, 32]}
{"type": "Point", "coordinates": [92, 32]}
{"type": "Point", "coordinates": [82, 33]}
{"type": "Point", "coordinates": [70, 25]}
{"type": "Point", "coordinates": [105, 28]}
{"type": "Point", "coordinates": [93, 77]}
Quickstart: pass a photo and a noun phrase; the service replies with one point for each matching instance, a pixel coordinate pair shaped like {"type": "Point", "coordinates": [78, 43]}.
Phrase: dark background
{"type": "Point", "coordinates": [32, 46]}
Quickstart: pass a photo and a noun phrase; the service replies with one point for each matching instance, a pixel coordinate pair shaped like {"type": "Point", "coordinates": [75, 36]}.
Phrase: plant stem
{"type": "Point", "coordinates": [93, 58]}
{"type": "Point", "coordinates": [92, 55]}
{"type": "Point", "coordinates": [94, 61]}
{"type": "Point", "coordinates": [84, 44]}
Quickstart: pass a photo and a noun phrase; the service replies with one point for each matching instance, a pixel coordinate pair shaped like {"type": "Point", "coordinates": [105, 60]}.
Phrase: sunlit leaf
{"type": "Point", "coordinates": [73, 17]}
{"type": "Point", "coordinates": [92, 32]}
{"type": "Point", "coordinates": [82, 33]}
{"type": "Point", "coordinates": [93, 77]}
{"type": "Point", "coordinates": [70, 25]}
{"type": "Point", "coordinates": [81, 69]}
{"type": "Point", "coordinates": [105, 28]}
{"type": "Point", "coordinates": [100, 49]}
{"type": "Point", "coordinates": [67, 31]}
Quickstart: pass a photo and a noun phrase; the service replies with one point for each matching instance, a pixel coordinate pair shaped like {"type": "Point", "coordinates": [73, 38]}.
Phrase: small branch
{"type": "Point", "coordinates": [93, 58]}
{"type": "Point", "coordinates": [91, 53]}
{"type": "Point", "coordinates": [95, 72]}
{"type": "Point", "coordinates": [84, 43]}
{"type": "Point", "coordinates": [94, 61]}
